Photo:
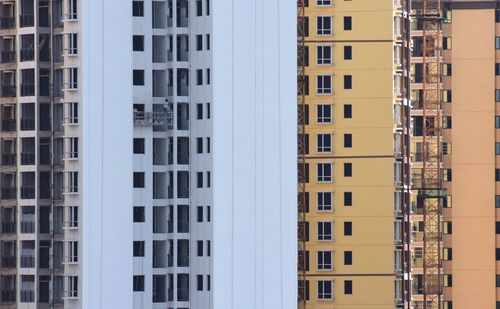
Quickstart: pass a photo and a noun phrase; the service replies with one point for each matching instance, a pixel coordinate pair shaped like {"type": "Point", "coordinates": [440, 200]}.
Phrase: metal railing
{"type": "Point", "coordinates": [153, 118]}
{"type": "Point", "coordinates": [27, 227]}
{"type": "Point", "coordinates": [8, 227]}
{"type": "Point", "coordinates": [8, 56]}
{"type": "Point", "coordinates": [9, 193]}
{"type": "Point", "coordinates": [7, 22]}
{"type": "Point", "coordinates": [27, 192]}
{"type": "Point", "coordinates": [27, 261]}
{"type": "Point", "coordinates": [8, 159]}
{"type": "Point", "coordinates": [9, 91]}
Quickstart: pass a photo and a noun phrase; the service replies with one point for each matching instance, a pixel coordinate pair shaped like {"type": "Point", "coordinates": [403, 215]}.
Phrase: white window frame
{"type": "Point", "coordinates": [321, 87]}
{"type": "Point", "coordinates": [72, 147]}
{"type": "Point", "coordinates": [323, 286]}
{"type": "Point", "coordinates": [322, 236]}
{"type": "Point", "coordinates": [322, 265]}
{"type": "Point", "coordinates": [72, 182]}
{"type": "Point", "coordinates": [324, 142]}
{"type": "Point", "coordinates": [321, 111]}
{"type": "Point", "coordinates": [71, 287]}
{"type": "Point", "coordinates": [323, 31]}
{"type": "Point", "coordinates": [323, 167]}
{"type": "Point", "coordinates": [324, 2]}
{"type": "Point", "coordinates": [71, 252]}
{"type": "Point", "coordinates": [72, 78]}
{"type": "Point", "coordinates": [72, 44]}
{"type": "Point", "coordinates": [72, 10]}
{"type": "Point", "coordinates": [71, 116]}
{"type": "Point", "coordinates": [72, 217]}
{"type": "Point", "coordinates": [320, 56]}
{"type": "Point", "coordinates": [321, 201]}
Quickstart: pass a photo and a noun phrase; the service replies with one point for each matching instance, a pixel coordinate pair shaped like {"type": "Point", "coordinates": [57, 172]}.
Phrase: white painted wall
{"type": "Point", "coordinates": [107, 154]}
{"type": "Point", "coordinates": [254, 135]}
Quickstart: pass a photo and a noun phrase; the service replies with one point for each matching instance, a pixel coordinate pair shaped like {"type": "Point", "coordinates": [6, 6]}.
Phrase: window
{"type": "Point", "coordinates": [347, 52]}
{"type": "Point", "coordinates": [72, 251]}
{"type": "Point", "coordinates": [199, 282]}
{"type": "Point", "coordinates": [325, 231]}
{"type": "Point", "coordinates": [199, 111]}
{"type": "Point", "coordinates": [199, 8]}
{"type": "Point", "coordinates": [73, 10]}
{"type": "Point", "coordinates": [497, 42]}
{"type": "Point", "coordinates": [208, 179]}
{"type": "Point", "coordinates": [138, 43]}
{"type": "Point", "coordinates": [138, 8]}
{"type": "Point", "coordinates": [347, 81]}
{"type": "Point", "coordinates": [324, 2]}
{"type": "Point", "coordinates": [447, 254]}
{"type": "Point", "coordinates": [497, 201]}
{"type": "Point", "coordinates": [324, 260]}
{"type": "Point", "coordinates": [208, 248]}
{"type": "Point", "coordinates": [72, 78]}
{"type": "Point", "coordinates": [138, 77]}
{"type": "Point", "coordinates": [138, 284]}
{"type": "Point", "coordinates": [348, 228]}
{"type": "Point", "coordinates": [497, 254]}
{"type": "Point", "coordinates": [199, 213]}
{"type": "Point", "coordinates": [71, 113]}
{"type": "Point", "coordinates": [347, 198]}
{"type": "Point", "coordinates": [497, 227]}
{"type": "Point", "coordinates": [347, 23]}
{"type": "Point", "coordinates": [208, 110]}
{"type": "Point", "coordinates": [324, 142]}
{"type": "Point", "coordinates": [497, 281]}
{"type": "Point", "coordinates": [497, 149]}
{"type": "Point", "coordinates": [324, 25]}
{"type": "Point", "coordinates": [324, 84]}
{"type": "Point", "coordinates": [348, 140]}
{"type": "Point", "coordinates": [72, 288]}
{"type": "Point", "coordinates": [199, 77]}
{"type": "Point", "coordinates": [72, 43]}
{"type": "Point", "coordinates": [324, 113]}
{"type": "Point", "coordinates": [138, 145]}
{"type": "Point", "coordinates": [199, 145]}
{"type": "Point", "coordinates": [447, 227]}
{"type": "Point", "coordinates": [199, 180]}
{"type": "Point", "coordinates": [325, 289]}
{"type": "Point", "coordinates": [208, 144]}
{"type": "Point", "coordinates": [447, 123]}
{"type": "Point", "coordinates": [207, 40]}
{"type": "Point", "coordinates": [347, 257]}
{"type": "Point", "coordinates": [208, 214]}
{"type": "Point", "coordinates": [208, 76]}
{"type": "Point", "coordinates": [325, 201]}
{"type": "Point", "coordinates": [348, 287]}
{"type": "Point", "coordinates": [138, 179]}
{"type": "Point", "coordinates": [347, 111]}
{"type": "Point", "coordinates": [139, 214]}
{"type": "Point", "coordinates": [199, 248]}
{"type": "Point", "coordinates": [208, 282]}
{"type": "Point", "coordinates": [497, 69]}
{"type": "Point", "coordinates": [72, 216]}
{"type": "Point", "coordinates": [208, 7]}
{"type": "Point", "coordinates": [347, 169]}
{"type": "Point", "coordinates": [497, 174]}
{"type": "Point", "coordinates": [199, 42]}
{"type": "Point", "coordinates": [497, 16]}
{"type": "Point", "coordinates": [324, 55]}
{"type": "Point", "coordinates": [139, 248]}
{"type": "Point", "coordinates": [497, 122]}
{"type": "Point", "coordinates": [324, 172]}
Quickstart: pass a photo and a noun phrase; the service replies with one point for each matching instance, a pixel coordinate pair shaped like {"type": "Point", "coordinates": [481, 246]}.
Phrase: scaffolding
{"type": "Point", "coordinates": [301, 151]}
{"type": "Point", "coordinates": [431, 192]}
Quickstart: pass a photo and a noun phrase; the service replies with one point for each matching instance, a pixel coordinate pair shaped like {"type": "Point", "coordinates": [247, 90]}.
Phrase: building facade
{"type": "Point", "coordinates": [357, 171]}
{"type": "Point", "coordinates": [148, 154]}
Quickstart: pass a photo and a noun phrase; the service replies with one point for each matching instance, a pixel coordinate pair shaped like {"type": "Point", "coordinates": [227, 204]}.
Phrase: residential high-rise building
{"type": "Point", "coordinates": [470, 40]}
{"type": "Point", "coordinates": [147, 154]}
{"type": "Point", "coordinates": [356, 149]}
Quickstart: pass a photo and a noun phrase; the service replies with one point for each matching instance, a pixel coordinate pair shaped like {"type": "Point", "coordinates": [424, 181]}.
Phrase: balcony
{"type": "Point", "coordinates": [8, 56]}
{"type": "Point", "coordinates": [8, 261]}
{"type": "Point", "coordinates": [27, 261]}
{"type": "Point", "coordinates": [8, 193]}
{"type": "Point", "coordinates": [153, 118]}
{"type": "Point", "coordinates": [27, 227]}
{"type": "Point", "coordinates": [7, 22]}
{"type": "Point", "coordinates": [8, 91]}
{"type": "Point", "coordinates": [8, 159]}
{"type": "Point", "coordinates": [8, 295]}
{"type": "Point", "coordinates": [27, 296]}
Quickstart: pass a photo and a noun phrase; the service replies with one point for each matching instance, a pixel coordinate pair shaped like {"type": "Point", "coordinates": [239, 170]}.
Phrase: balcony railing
{"type": "Point", "coordinates": [27, 192]}
{"type": "Point", "coordinates": [8, 296]}
{"type": "Point", "coordinates": [27, 123]}
{"type": "Point", "coordinates": [8, 261]}
{"type": "Point", "coordinates": [153, 118]}
{"type": "Point", "coordinates": [8, 193]}
{"type": "Point", "coordinates": [27, 89]}
{"type": "Point", "coordinates": [7, 22]}
{"type": "Point", "coordinates": [8, 159]}
{"type": "Point", "coordinates": [27, 227]}
{"type": "Point", "coordinates": [27, 158]}
{"type": "Point", "coordinates": [8, 56]}
{"type": "Point", "coordinates": [8, 91]}
{"type": "Point", "coordinates": [8, 227]}
{"type": "Point", "coordinates": [27, 296]}
{"type": "Point", "coordinates": [8, 124]}
{"type": "Point", "coordinates": [27, 261]}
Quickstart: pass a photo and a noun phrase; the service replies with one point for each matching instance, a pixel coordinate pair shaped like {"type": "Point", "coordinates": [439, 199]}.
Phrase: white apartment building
{"type": "Point", "coordinates": [148, 154]}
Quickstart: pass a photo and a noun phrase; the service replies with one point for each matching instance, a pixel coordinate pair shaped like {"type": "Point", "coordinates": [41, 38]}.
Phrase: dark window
{"type": "Point", "coordinates": [199, 77]}
{"type": "Point", "coordinates": [139, 214]}
{"type": "Point", "coordinates": [138, 283]}
{"type": "Point", "coordinates": [348, 287]}
{"type": "Point", "coordinates": [497, 16]}
{"type": "Point", "coordinates": [199, 248]}
{"type": "Point", "coordinates": [347, 169]}
{"type": "Point", "coordinates": [347, 228]}
{"type": "Point", "coordinates": [348, 140]}
{"type": "Point", "coordinates": [208, 214]}
{"type": "Point", "coordinates": [138, 77]}
{"type": "Point", "coordinates": [199, 145]}
{"type": "Point", "coordinates": [347, 23]}
{"type": "Point", "coordinates": [208, 110]}
{"type": "Point", "coordinates": [497, 174]}
{"type": "Point", "coordinates": [347, 52]}
{"type": "Point", "coordinates": [138, 248]}
{"type": "Point", "coordinates": [497, 254]}
{"type": "Point", "coordinates": [137, 8]}
{"type": "Point", "coordinates": [347, 111]}
{"type": "Point", "coordinates": [199, 179]}
{"type": "Point", "coordinates": [208, 180]}
{"type": "Point", "coordinates": [497, 227]}
{"type": "Point", "coordinates": [347, 257]}
{"type": "Point", "coordinates": [497, 69]}
{"type": "Point", "coordinates": [138, 145]}
{"type": "Point", "coordinates": [199, 282]}
{"type": "Point", "coordinates": [199, 8]}
{"type": "Point", "coordinates": [208, 7]}
{"type": "Point", "coordinates": [138, 179]}
{"type": "Point", "coordinates": [497, 201]}
{"type": "Point", "coordinates": [497, 281]}
{"type": "Point", "coordinates": [199, 42]}
{"type": "Point", "coordinates": [208, 76]}
{"type": "Point", "coordinates": [347, 198]}
{"type": "Point", "coordinates": [199, 111]}
{"type": "Point", "coordinates": [347, 81]}
{"type": "Point", "coordinates": [207, 40]}
{"type": "Point", "coordinates": [497, 122]}
{"type": "Point", "coordinates": [138, 43]}
{"type": "Point", "coordinates": [497, 95]}
{"type": "Point", "coordinates": [199, 213]}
